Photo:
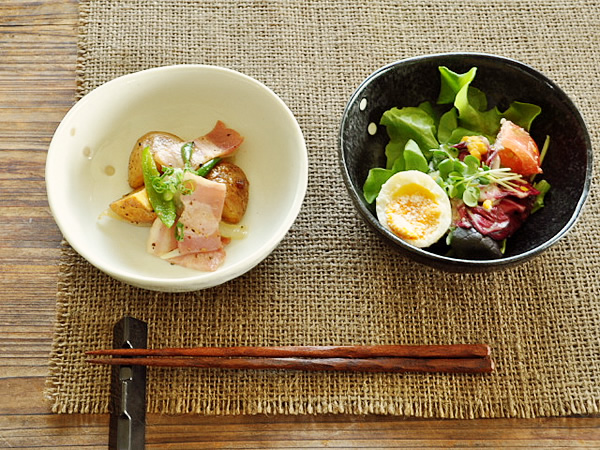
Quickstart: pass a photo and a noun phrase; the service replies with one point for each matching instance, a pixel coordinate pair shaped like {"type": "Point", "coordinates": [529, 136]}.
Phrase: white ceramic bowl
{"type": "Point", "coordinates": [86, 167]}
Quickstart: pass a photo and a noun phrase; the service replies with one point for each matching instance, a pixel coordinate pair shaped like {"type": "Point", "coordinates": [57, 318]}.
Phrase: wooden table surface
{"type": "Point", "coordinates": [38, 53]}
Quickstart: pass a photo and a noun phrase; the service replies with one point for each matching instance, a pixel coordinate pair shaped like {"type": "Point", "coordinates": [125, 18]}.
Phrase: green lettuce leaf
{"type": "Point", "coordinates": [472, 106]}
{"type": "Point", "coordinates": [375, 179]}
{"type": "Point", "coordinates": [522, 114]}
{"type": "Point", "coordinates": [394, 152]}
{"type": "Point", "coordinates": [452, 83]}
{"type": "Point", "coordinates": [487, 123]}
{"type": "Point", "coordinates": [408, 123]}
{"type": "Point", "coordinates": [413, 158]}
{"type": "Point", "coordinates": [448, 123]}
{"type": "Point", "coordinates": [410, 156]}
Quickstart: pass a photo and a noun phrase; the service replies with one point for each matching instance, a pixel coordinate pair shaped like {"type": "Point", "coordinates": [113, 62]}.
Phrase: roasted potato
{"type": "Point", "coordinates": [236, 196]}
{"type": "Point", "coordinates": [135, 207]}
{"type": "Point", "coordinates": [159, 143]}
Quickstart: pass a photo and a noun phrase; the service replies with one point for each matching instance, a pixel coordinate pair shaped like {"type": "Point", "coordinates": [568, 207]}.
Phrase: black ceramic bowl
{"type": "Point", "coordinates": [567, 165]}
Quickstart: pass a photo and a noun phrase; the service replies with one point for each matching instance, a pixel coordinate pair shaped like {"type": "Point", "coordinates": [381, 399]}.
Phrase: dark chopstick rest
{"type": "Point", "coordinates": [127, 426]}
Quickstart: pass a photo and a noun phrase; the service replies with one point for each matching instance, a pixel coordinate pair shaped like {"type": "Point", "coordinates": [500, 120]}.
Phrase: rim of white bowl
{"type": "Point", "coordinates": [196, 282]}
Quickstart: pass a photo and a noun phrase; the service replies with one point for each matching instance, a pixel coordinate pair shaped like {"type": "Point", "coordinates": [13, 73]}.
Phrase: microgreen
{"type": "Point", "coordinates": [464, 179]}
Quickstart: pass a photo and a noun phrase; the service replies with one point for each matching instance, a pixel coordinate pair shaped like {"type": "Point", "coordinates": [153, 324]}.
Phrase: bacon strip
{"type": "Point", "coordinates": [205, 262]}
{"type": "Point", "coordinates": [220, 142]}
{"type": "Point", "coordinates": [202, 210]}
{"type": "Point", "coordinates": [161, 239]}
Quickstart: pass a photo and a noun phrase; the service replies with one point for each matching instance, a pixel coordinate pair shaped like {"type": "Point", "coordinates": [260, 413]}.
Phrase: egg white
{"type": "Point", "coordinates": [414, 207]}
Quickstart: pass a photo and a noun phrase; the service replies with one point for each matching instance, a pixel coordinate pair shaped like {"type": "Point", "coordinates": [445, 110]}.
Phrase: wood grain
{"type": "Point", "coordinates": [38, 56]}
{"type": "Point", "coordinates": [325, 351]}
{"type": "Point", "coordinates": [451, 365]}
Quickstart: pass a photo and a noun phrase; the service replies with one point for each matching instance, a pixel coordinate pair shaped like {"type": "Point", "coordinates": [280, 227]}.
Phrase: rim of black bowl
{"type": "Point", "coordinates": [435, 259]}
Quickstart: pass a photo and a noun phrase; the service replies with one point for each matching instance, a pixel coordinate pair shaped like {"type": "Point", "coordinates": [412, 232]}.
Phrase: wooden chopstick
{"type": "Point", "coordinates": [344, 351]}
{"type": "Point", "coordinates": [443, 365]}
{"type": "Point", "coordinates": [457, 358]}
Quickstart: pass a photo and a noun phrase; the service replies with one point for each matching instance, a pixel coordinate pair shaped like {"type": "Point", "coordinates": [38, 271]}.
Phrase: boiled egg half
{"type": "Point", "coordinates": [414, 207]}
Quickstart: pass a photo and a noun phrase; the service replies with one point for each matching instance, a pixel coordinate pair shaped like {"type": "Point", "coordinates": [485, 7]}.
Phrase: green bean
{"type": "Point", "coordinates": [207, 167]}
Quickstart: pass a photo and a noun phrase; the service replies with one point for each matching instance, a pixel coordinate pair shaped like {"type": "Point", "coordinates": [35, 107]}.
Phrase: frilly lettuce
{"type": "Point", "coordinates": [417, 132]}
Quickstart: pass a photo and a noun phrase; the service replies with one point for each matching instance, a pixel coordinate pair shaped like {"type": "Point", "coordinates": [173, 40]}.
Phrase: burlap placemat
{"type": "Point", "coordinates": [332, 281]}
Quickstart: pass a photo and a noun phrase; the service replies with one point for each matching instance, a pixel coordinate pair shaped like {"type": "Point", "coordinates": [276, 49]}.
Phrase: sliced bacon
{"type": "Point", "coordinates": [202, 210]}
{"type": "Point", "coordinates": [166, 151]}
{"type": "Point", "coordinates": [202, 245]}
{"type": "Point", "coordinates": [205, 262]}
{"type": "Point", "coordinates": [220, 142]}
{"type": "Point", "coordinates": [161, 239]}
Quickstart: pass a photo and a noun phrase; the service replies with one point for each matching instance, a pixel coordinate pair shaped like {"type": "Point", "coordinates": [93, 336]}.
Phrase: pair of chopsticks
{"type": "Point", "coordinates": [457, 358]}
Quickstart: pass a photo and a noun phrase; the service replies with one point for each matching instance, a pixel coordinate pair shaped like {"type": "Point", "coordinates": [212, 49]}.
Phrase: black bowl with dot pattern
{"type": "Point", "coordinates": [567, 166]}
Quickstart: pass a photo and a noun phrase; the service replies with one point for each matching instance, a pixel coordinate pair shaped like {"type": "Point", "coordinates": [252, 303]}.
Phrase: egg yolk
{"type": "Point", "coordinates": [413, 213]}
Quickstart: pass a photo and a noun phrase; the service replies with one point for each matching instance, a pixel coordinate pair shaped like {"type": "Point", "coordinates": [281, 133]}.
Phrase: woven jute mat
{"type": "Point", "coordinates": [332, 281]}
